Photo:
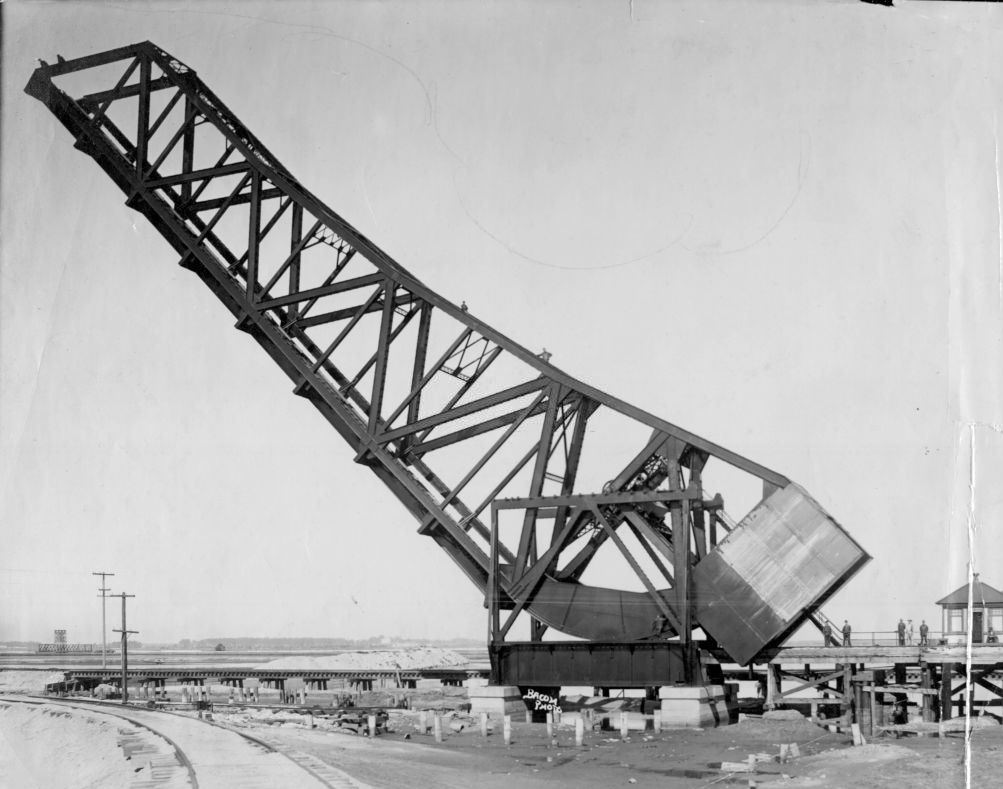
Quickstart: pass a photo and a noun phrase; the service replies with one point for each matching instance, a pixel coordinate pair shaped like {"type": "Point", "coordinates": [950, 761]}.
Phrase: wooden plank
{"type": "Point", "coordinates": [814, 683]}
{"type": "Point", "coordinates": [901, 689]}
{"type": "Point", "coordinates": [946, 672]}
{"type": "Point", "coordinates": [855, 654]}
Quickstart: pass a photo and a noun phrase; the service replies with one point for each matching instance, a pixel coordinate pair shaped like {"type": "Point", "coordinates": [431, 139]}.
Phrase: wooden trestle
{"type": "Point", "coordinates": [866, 684]}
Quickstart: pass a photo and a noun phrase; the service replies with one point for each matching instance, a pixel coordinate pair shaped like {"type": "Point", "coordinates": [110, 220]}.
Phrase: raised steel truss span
{"type": "Point", "coordinates": [460, 422]}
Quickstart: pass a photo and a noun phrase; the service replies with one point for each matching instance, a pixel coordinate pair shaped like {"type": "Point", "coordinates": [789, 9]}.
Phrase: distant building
{"type": "Point", "coordinates": [987, 612]}
{"type": "Point", "coordinates": [60, 645]}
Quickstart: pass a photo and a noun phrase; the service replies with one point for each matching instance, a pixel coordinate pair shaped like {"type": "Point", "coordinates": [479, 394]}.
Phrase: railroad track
{"type": "Point", "coordinates": [169, 767]}
{"type": "Point", "coordinates": [332, 776]}
{"type": "Point", "coordinates": [193, 759]}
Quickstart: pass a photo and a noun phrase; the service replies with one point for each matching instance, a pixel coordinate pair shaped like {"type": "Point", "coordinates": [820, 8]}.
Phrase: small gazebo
{"type": "Point", "coordinates": [987, 612]}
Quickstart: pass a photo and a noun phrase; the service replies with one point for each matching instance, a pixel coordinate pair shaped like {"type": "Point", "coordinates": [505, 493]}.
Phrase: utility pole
{"type": "Point", "coordinates": [104, 642]}
{"type": "Point", "coordinates": [125, 648]}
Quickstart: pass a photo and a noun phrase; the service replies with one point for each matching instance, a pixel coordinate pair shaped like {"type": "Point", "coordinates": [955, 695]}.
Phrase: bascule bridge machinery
{"type": "Point", "coordinates": [514, 468]}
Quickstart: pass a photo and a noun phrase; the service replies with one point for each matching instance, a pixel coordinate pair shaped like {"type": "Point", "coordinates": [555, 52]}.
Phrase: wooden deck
{"type": "Point", "coordinates": [982, 655]}
{"type": "Point", "coordinates": [874, 685]}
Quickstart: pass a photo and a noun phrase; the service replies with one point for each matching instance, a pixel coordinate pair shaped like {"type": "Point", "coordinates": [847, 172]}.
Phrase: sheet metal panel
{"type": "Point", "coordinates": [735, 615]}
{"type": "Point", "coordinates": [760, 583]}
{"type": "Point", "coordinates": [596, 613]}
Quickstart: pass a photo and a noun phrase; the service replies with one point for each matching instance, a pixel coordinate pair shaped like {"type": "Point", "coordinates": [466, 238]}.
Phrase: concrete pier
{"type": "Point", "coordinates": [497, 700]}
{"type": "Point", "coordinates": [699, 706]}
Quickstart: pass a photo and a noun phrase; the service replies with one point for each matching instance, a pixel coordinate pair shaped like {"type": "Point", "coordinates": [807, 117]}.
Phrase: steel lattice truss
{"type": "Point", "coordinates": [405, 376]}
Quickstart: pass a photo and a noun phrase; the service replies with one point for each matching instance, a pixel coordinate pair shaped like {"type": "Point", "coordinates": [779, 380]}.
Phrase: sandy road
{"type": "Point", "coordinates": [213, 757]}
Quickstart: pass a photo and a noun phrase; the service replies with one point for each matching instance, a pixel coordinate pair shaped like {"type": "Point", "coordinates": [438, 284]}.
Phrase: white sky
{"type": "Point", "coordinates": [777, 224]}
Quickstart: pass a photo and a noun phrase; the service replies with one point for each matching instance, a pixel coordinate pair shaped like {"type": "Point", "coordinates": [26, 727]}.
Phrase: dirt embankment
{"type": "Point", "coordinates": [387, 660]}
{"type": "Point", "coordinates": [45, 747]}
{"type": "Point", "coordinates": [409, 758]}
{"type": "Point", "coordinates": [27, 681]}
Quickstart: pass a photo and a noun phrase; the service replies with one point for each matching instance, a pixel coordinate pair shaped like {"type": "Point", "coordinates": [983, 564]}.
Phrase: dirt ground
{"type": "Point", "coordinates": [679, 758]}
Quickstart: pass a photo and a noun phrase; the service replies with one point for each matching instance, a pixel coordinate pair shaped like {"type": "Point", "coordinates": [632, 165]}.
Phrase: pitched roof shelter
{"type": "Point", "coordinates": [987, 611]}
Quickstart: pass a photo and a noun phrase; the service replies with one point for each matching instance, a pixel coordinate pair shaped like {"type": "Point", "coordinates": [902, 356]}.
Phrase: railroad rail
{"type": "Point", "coordinates": [202, 755]}
{"type": "Point", "coordinates": [985, 654]}
{"type": "Point", "coordinates": [155, 680]}
{"type": "Point", "coordinates": [165, 773]}
{"type": "Point", "coordinates": [227, 672]}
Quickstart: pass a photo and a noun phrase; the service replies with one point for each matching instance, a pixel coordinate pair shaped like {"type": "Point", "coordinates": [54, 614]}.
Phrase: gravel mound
{"type": "Point", "coordinates": [865, 753]}
{"type": "Point", "coordinates": [792, 729]}
{"type": "Point", "coordinates": [27, 681]}
{"type": "Point", "coordinates": [50, 747]}
{"type": "Point", "coordinates": [387, 659]}
{"type": "Point", "coordinates": [783, 715]}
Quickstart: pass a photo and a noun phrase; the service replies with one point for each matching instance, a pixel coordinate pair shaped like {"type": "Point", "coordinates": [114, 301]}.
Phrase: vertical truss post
{"type": "Point", "coordinates": [418, 371]}
{"type": "Point", "coordinates": [527, 540]}
{"type": "Point", "coordinates": [493, 590]}
{"type": "Point", "coordinates": [143, 121]}
{"type": "Point", "coordinates": [295, 234]}
{"type": "Point", "coordinates": [380, 373]}
{"type": "Point", "coordinates": [680, 516]}
{"type": "Point", "coordinates": [699, 532]}
{"type": "Point", "coordinates": [188, 150]}
{"type": "Point", "coordinates": [253, 236]}
{"type": "Point", "coordinates": [697, 461]}
{"type": "Point", "coordinates": [571, 462]}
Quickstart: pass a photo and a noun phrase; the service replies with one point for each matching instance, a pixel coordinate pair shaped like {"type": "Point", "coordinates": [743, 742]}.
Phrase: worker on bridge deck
{"type": "Point", "coordinates": [826, 634]}
{"type": "Point", "coordinates": [901, 631]}
{"type": "Point", "coordinates": [924, 631]}
{"type": "Point", "coordinates": [847, 630]}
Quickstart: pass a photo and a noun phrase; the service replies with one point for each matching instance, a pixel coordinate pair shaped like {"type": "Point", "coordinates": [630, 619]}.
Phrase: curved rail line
{"type": "Point", "coordinates": [326, 774]}
{"type": "Point", "coordinates": [179, 752]}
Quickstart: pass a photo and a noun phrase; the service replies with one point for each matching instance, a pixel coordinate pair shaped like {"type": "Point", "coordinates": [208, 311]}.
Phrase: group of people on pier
{"type": "Point", "coordinates": [829, 641]}
{"type": "Point", "coordinates": [906, 633]}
